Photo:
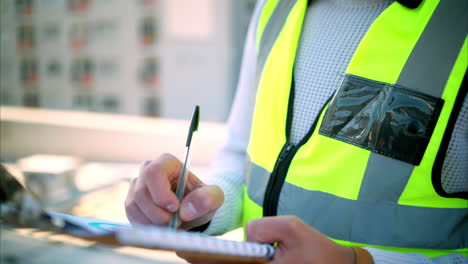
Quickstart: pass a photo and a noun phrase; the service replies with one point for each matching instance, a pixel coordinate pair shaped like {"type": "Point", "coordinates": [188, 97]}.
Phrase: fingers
{"type": "Point", "coordinates": [141, 209]}
{"type": "Point", "coordinates": [160, 178]}
{"type": "Point", "coordinates": [135, 216]}
{"type": "Point", "coordinates": [296, 241]}
{"type": "Point", "coordinates": [285, 229]}
{"type": "Point", "coordinates": [151, 197]}
{"type": "Point", "coordinates": [155, 214]}
{"type": "Point", "coordinates": [156, 177]}
{"type": "Point", "coordinates": [133, 212]}
{"type": "Point", "coordinates": [200, 202]}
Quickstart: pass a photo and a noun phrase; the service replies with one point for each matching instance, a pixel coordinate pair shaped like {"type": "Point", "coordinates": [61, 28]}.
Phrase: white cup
{"type": "Point", "coordinates": [50, 177]}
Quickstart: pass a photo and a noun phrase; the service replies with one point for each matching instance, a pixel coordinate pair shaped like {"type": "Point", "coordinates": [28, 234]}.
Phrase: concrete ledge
{"type": "Point", "coordinates": [102, 137]}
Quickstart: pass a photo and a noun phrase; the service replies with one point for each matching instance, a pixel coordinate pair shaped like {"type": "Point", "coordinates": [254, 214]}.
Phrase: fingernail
{"type": "Point", "coordinates": [171, 207]}
{"type": "Point", "coordinates": [191, 211]}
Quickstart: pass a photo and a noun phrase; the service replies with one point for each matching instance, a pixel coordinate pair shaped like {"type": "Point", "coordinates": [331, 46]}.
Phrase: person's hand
{"type": "Point", "coordinates": [151, 198]}
{"type": "Point", "coordinates": [297, 242]}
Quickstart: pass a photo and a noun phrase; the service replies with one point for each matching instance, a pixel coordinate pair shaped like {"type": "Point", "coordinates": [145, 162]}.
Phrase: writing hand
{"type": "Point", "coordinates": [151, 198]}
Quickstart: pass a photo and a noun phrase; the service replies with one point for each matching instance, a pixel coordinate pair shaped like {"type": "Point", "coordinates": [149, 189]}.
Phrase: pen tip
{"type": "Point", "coordinates": [196, 118]}
{"type": "Point", "coordinates": [193, 125]}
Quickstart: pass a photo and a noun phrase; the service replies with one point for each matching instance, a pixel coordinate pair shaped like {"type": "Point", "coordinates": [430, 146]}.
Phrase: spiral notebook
{"type": "Point", "coordinates": [153, 237]}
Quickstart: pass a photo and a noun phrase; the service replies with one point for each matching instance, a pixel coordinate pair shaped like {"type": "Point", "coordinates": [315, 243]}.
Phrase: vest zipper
{"type": "Point", "coordinates": [278, 175]}
{"type": "Point", "coordinates": [273, 190]}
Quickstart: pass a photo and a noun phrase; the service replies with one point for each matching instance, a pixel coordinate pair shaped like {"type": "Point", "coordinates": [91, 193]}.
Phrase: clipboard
{"type": "Point", "coordinates": [20, 208]}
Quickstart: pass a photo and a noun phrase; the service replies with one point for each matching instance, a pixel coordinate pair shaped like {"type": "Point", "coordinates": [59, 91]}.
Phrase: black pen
{"type": "Point", "coordinates": [185, 166]}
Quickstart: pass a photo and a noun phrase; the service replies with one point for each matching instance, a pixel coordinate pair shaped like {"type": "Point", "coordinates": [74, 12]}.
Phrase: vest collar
{"type": "Point", "coordinates": [410, 3]}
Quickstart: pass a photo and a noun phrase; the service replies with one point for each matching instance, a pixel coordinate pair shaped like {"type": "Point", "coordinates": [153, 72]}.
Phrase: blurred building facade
{"type": "Point", "coordinates": [140, 57]}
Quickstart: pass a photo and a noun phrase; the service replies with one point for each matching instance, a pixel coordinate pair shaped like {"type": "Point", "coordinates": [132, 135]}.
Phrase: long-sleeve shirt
{"type": "Point", "coordinates": [331, 32]}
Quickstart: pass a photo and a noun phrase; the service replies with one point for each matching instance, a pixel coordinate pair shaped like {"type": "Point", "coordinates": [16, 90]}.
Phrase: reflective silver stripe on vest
{"type": "Point", "coordinates": [437, 49]}
{"type": "Point", "coordinates": [434, 56]}
{"type": "Point", "coordinates": [395, 175]}
{"type": "Point", "coordinates": [368, 222]}
{"type": "Point", "coordinates": [257, 181]}
{"type": "Point", "coordinates": [271, 32]}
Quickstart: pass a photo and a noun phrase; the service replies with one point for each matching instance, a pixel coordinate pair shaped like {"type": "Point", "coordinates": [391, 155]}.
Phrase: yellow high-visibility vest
{"type": "Point", "coordinates": [368, 171]}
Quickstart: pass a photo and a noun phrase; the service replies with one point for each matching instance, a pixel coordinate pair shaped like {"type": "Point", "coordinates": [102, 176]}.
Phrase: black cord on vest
{"type": "Point", "coordinates": [408, 3]}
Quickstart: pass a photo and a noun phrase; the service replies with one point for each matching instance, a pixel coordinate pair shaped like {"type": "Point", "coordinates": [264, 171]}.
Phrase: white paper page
{"type": "Point", "coordinates": [164, 238]}
{"type": "Point", "coordinates": [94, 226]}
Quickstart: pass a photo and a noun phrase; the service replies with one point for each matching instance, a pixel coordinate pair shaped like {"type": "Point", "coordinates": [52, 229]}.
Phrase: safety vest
{"type": "Point", "coordinates": [368, 171]}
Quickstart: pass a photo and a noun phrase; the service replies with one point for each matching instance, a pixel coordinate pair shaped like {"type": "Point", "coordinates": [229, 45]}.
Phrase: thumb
{"type": "Point", "coordinates": [200, 202]}
{"type": "Point", "coordinates": [282, 229]}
